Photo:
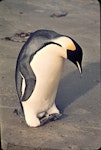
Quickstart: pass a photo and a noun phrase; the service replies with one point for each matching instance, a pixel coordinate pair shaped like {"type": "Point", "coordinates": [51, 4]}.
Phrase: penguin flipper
{"type": "Point", "coordinates": [30, 84]}
{"type": "Point", "coordinates": [18, 82]}
{"type": "Point", "coordinates": [30, 78]}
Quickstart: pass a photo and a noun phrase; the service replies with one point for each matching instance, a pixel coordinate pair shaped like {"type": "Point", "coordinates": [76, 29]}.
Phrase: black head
{"type": "Point", "coordinates": [75, 56]}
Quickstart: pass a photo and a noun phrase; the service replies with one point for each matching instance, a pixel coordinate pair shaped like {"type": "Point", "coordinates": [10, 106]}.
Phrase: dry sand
{"type": "Point", "coordinates": [78, 99]}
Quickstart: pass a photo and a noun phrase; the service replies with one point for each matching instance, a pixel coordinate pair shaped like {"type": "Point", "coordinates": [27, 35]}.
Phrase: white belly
{"type": "Point", "coordinates": [47, 65]}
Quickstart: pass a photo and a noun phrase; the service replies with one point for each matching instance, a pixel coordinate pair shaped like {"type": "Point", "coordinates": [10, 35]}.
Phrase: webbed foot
{"type": "Point", "coordinates": [48, 118]}
{"type": "Point", "coordinates": [55, 116]}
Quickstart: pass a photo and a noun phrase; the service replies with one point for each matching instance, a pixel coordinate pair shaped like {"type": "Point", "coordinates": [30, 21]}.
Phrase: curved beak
{"type": "Point", "coordinates": [79, 67]}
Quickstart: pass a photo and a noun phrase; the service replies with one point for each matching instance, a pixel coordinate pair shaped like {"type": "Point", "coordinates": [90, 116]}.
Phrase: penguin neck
{"type": "Point", "coordinates": [65, 42]}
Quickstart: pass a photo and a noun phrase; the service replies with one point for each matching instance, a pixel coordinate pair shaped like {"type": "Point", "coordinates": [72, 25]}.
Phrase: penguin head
{"type": "Point", "coordinates": [75, 56]}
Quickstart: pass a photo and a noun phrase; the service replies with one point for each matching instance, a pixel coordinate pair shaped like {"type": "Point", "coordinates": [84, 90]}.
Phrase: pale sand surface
{"type": "Point", "coordinates": [78, 98]}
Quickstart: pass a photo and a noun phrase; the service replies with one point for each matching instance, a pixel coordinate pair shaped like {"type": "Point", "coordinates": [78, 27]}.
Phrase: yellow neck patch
{"type": "Point", "coordinates": [66, 43]}
{"type": "Point", "coordinates": [70, 45]}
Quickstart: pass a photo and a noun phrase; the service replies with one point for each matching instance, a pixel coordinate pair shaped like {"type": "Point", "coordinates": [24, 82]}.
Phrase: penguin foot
{"type": "Point", "coordinates": [48, 118]}
{"type": "Point", "coordinates": [45, 120]}
{"type": "Point", "coordinates": [55, 116]}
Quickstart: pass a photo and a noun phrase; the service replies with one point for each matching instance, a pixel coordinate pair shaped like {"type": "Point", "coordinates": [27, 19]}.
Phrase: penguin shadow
{"type": "Point", "coordinates": [72, 86]}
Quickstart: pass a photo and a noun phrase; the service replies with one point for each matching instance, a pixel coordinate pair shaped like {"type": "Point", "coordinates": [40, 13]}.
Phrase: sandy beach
{"type": "Point", "coordinates": [77, 98]}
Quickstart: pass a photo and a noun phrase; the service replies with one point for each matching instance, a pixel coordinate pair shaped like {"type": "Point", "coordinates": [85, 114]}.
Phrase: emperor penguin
{"type": "Point", "coordinates": [38, 72]}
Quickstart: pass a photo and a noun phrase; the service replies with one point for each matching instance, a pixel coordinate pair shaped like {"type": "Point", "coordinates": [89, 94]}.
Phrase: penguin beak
{"type": "Point", "coordinates": [76, 58]}
{"type": "Point", "coordinates": [79, 67]}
